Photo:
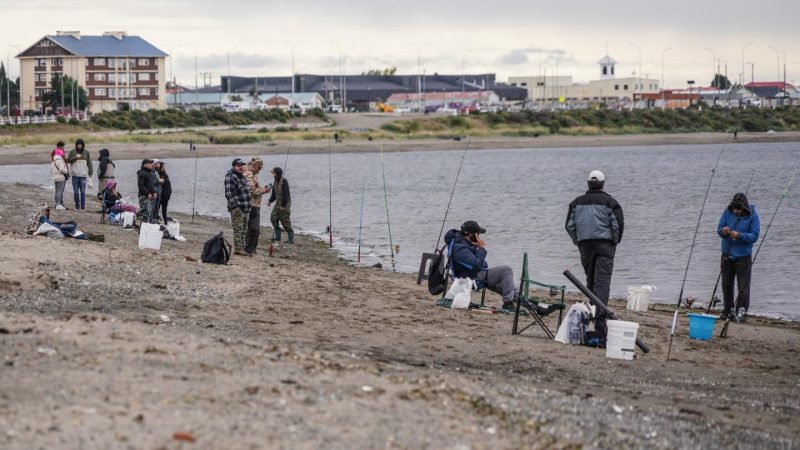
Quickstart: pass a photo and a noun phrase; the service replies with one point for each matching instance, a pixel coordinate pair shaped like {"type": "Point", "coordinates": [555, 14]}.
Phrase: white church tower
{"type": "Point", "coordinates": [607, 67]}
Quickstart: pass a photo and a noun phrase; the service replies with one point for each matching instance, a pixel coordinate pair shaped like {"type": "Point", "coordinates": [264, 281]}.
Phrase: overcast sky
{"type": "Point", "coordinates": [515, 37]}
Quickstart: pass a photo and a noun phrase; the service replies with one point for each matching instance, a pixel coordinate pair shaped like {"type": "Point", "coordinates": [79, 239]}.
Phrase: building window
{"type": "Point", "coordinates": [624, 87]}
{"type": "Point", "coordinates": [99, 92]}
{"type": "Point", "coordinates": [99, 77]}
{"type": "Point", "coordinates": [605, 70]}
{"type": "Point", "coordinates": [616, 87]}
{"type": "Point", "coordinates": [41, 62]}
{"type": "Point", "coordinates": [144, 62]}
{"type": "Point", "coordinates": [112, 63]}
{"type": "Point", "coordinates": [99, 61]}
{"type": "Point", "coordinates": [39, 92]}
{"type": "Point", "coordinates": [144, 91]}
{"type": "Point", "coordinates": [523, 84]}
{"type": "Point", "coordinates": [144, 76]}
{"type": "Point", "coordinates": [57, 62]}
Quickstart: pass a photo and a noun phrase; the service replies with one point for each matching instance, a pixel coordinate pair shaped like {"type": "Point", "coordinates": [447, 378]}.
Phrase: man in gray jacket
{"type": "Point", "coordinates": [595, 224]}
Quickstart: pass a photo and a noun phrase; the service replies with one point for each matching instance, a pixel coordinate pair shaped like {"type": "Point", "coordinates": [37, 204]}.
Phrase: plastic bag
{"type": "Point", "coordinates": [150, 236]}
{"type": "Point", "coordinates": [462, 289]}
{"type": "Point", "coordinates": [89, 183]}
{"type": "Point", "coordinates": [127, 219]}
{"type": "Point", "coordinates": [572, 330]}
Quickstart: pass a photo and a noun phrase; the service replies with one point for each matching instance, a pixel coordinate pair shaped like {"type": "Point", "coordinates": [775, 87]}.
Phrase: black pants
{"type": "Point", "coordinates": [253, 230]}
{"type": "Point", "coordinates": [164, 203]}
{"type": "Point", "coordinates": [739, 269]}
{"type": "Point", "coordinates": [156, 208]}
{"type": "Point", "coordinates": [597, 258]}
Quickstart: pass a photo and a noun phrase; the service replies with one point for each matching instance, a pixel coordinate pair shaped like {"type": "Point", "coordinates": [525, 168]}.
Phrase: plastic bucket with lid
{"type": "Point", "coordinates": [701, 326]}
{"type": "Point", "coordinates": [621, 339]}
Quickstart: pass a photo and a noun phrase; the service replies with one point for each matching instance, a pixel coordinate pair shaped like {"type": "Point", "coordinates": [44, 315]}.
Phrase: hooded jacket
{"type": "Point", "coordinates": [144, 179]}
{"type": "Point", "coordinates": [80, 163]}
{"type": "Point", "coordinates": [466, 259]}
{"type": "Point", "coordinates": [747, 224]}
{"type": "Point", "coordinates": [58, 168]}
{"type": "Point", "coordinates": [106, 168]}
{"type": "Point", "coordinates": [256, 190]}
{"type": "Point", "coordinates": [280, 191]}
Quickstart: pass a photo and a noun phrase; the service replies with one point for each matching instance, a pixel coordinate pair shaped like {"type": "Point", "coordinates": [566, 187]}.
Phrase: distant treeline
{"type": "Point", "coordinates": [176, 118]}
{"type": "Point", "coordinates": [599, 121]}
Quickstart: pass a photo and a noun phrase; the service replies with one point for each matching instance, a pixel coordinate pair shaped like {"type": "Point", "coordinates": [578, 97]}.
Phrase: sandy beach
{"type": "Point", "coordinates": [34, 154]}
{"type": "Point", "coordinates": [107, 346]}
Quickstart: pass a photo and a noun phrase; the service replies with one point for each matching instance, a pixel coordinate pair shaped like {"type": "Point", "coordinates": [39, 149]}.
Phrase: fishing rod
{"type": "Point", "coordinates": [386, 204]}
{"type": "Point", "coordinates": [724, 332]}
{"type": "Point", "coordinates": [713, 301]}
{"type": "Point", "coordinates": [691, 250]}
{"type": "Point", "coordinates": [286, 161]}
{"type": "Point", "coordinates": [361, 220]}
{"type": "Point", "coordinates": [193, 148]}
{"type": "Point", "coordinates": [455, 183]}
{"type": "Point", "coordinates": [330, 195]}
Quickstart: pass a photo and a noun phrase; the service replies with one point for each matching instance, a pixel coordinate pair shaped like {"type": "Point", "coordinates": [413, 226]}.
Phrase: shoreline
{"type": "Point", "coordinates": [129, 347]}
{"type": "Point", "coordinates": [16, 154]}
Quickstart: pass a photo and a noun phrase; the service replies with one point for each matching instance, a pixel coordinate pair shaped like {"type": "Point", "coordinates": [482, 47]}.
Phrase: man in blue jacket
{"type": "Point", "coordinates": [595, 224]}
{"type": "Point", "coordinates": [467, 252]}
{"type": "Point", "coordinates": [738, 227]}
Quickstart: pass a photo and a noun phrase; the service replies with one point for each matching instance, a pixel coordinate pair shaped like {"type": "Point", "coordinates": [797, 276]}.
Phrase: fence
{"type": "Point", "coordinates": [31, 120]}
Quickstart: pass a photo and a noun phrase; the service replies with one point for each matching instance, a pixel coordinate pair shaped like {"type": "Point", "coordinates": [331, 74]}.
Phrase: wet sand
{"type": "Point", "coordinates": [41, 153]}
{"type": "Point", "coordinates": [107, 346]}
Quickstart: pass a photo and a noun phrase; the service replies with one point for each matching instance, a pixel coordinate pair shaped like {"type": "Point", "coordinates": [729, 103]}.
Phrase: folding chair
{"type": "Point", "coordinates": [481, 285]}
{"type": "Point", "coordinates": [537, 307]}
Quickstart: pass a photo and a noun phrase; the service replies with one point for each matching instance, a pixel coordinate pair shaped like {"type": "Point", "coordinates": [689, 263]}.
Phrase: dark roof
{"type": "Point", "coordinates": [132, 46]}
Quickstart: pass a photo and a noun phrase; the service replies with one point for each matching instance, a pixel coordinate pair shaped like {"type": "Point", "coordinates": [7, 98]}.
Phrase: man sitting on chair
{"type": "Point", "coordinates": [467, 252]}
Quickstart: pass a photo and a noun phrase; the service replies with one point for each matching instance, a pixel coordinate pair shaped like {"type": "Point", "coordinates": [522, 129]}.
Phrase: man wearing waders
{"type": "Point", "coordinates": [739, 228]}
{"type": "Point", "coordinates": [281, 214]}
{"type": "Point", "coordinates": [238, 196]}
{"type": "Point", "coordinates": [595, 224]}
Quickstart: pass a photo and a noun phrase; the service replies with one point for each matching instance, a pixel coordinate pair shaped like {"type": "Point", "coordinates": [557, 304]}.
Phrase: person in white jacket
{"type": "Point", "coordinates": [59, 172]}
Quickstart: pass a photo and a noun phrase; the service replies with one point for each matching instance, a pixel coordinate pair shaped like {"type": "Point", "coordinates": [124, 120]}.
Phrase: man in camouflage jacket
{"type": "Point", "coordinates": [250, 173]}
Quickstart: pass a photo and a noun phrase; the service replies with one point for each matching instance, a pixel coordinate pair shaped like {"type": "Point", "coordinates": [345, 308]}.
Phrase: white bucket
{"type": "Point", "coordinates": [621, 339]}
{"type": "Point", "coordinates": [150, 236]}
{"type": "Point", "coordinates": [638, 298]}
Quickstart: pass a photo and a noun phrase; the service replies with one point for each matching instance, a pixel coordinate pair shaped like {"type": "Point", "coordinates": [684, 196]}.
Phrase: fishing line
{"type": "Point", "coordinates": [286, 161]}
{"type": "Point", "coordinates": [737, 303]}
{"type": "Point", "coordinates": [713, 301]}
{"type": "Point", "coordinates": [361, 220]}
{"type": "Point", "coordinates": [455, 183]}
{"type": "Point", "coordinates": [386, 204]}
{"type": "Point", "coordinates": [691, 249]}
{"type": "Point", "coordinates": [330, 195]}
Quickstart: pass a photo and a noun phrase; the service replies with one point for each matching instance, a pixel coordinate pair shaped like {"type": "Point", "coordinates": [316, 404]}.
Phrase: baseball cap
{"type": "Point", "coordinates": [147, 161]}
{"type": "Point", "coordinates": [596, 175]}
{"type": "Point", "coordinates": [237, 162]}
{"type": "Point", "coordinates": [471, 227]}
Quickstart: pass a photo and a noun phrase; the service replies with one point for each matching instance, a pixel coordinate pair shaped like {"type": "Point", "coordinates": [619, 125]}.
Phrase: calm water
{"type": "Point", "coordinates": [521, 198]}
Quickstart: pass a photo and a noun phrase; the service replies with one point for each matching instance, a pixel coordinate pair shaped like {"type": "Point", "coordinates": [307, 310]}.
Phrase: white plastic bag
{"type": "Point", "coordinates": [150, 236]}
{"type": "Point", "coordinates": [572, 320]}
{"type": "Point", "coordinates": [462, 290]}
{"type": "Point", "coordinates": [89, 183]}
{"type": "Point", "coordinates": [127, 219]}
{"type": "Point", "coordinates": [174, 229]}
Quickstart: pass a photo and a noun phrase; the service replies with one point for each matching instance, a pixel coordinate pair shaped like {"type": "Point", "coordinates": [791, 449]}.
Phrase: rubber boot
{"type": "Point", "coordinates": [290, 234]}
{"type": "Point", "coordinates": [276, 235]}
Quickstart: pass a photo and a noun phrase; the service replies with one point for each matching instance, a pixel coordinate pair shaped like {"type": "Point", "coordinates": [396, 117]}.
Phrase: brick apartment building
{"type": "Point", "coordinates": [118, 71]}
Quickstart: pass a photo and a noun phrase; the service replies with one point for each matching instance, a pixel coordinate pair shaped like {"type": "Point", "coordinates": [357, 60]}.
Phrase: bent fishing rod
{"type": "Point", "coordinates": [737, 304]}
{"type": "Point", "coordinates": [286, 161]}
{"type": "Point", "coordinates": [386, 204]}
{"type": "Point", "coordinates": [455, 183]}
{"type": "Point", "coordinates": [713, 301]}
{"type": "Point", "coordinates": [691, 249]}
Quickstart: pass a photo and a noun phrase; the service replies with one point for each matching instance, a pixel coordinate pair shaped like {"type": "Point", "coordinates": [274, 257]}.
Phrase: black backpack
{"type": "Point", "coordinates": [216, 250]}
{"type": "Point", "coordinates": [438, 273]}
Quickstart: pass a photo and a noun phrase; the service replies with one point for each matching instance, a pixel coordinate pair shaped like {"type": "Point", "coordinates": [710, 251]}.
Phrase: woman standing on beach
{"type": "Point", "coordinates": [80, 167]}
{"type": "Point", "coordinates": [166, 189]}
{"type": "Point", "coordinates": [59, 171]}
{"type": "Point", "coordinates": [105, 172]}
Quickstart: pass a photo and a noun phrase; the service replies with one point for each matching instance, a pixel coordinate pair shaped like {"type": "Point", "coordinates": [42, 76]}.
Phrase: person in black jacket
{"type": "Point", "coordinates": [281, 214]}
{"type": "Point", "coordinates": [166, 189]}
{"type": "Point", "coordinates": [105, 172]}
{"type": "Point", "coordinates": [595, 224]}
{"type": "Point", "coordinates": [147, 191]}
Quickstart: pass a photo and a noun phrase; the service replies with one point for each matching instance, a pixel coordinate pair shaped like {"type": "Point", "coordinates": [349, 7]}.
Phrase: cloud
{"type": "Point", "coordinates": [520, 56]}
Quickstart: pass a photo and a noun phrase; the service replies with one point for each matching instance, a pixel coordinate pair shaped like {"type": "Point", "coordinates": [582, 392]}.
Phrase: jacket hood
{"type": "Point", "coordinates": [80, 142]}
{"type": "Point", "coordinates": [453, 235]}
{"type": "Point", "coordinates": [103, 153]}
{"type": "Point", "coordinates": [278, 172]}
{"type": "Point", "coordinates": [740, 199]}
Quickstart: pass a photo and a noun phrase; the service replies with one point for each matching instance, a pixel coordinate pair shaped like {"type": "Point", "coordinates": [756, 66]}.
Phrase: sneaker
{"type": "Point", "coordinates": [508, 307]}
{"type": "Point", "coordinates": [60, 207]}
{"type": "Point", "coordinates": [741, 315]}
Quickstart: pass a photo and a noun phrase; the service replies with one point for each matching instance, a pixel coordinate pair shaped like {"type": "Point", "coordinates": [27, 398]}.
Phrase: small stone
{"type": "Point", "coordinates": [164, 318]}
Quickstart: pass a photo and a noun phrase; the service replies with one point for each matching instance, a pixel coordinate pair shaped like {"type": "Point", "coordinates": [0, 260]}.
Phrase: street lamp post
{"type": "Point", "coordinates": [744, 47]}
{"type": "Point", "coordinates": [713, 67]}
{"type": "Point", "coordinates": [663, 100]}
{"type": "Point", "coordinates": [638, 73]}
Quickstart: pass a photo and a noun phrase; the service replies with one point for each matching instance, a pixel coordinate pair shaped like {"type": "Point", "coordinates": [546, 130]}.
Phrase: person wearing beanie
{"type": "Point", "coordinates": [250, 172]}
{"type": "Point", "coordinates": [59, 172]}
{"type": "Point", "coordinates": [147, 191]}
{"type": "Point", "coordinates": [80, 168]}
{"type": "Point", "coordinates": [238, 196]}
{"type": "Point", "coordinates": [739, 227]}
{"type": "Point", "coordinates": [282, 212]}
{"type": "Point", "coordinates": [595, 224]}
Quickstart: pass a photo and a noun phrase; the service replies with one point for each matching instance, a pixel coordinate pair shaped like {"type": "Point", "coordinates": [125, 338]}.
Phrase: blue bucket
{"type": "Point", "coordinates": [701, 326]}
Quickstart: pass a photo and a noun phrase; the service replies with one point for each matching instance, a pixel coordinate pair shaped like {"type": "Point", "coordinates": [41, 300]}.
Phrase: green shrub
{"type": "Point", "coordinates": [61, 119]}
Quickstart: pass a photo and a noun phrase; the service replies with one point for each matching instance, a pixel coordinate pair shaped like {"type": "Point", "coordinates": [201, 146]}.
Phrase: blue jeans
{"type": "Point", "coordinates": [79, 192]}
